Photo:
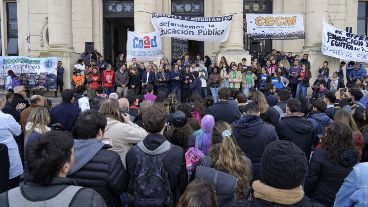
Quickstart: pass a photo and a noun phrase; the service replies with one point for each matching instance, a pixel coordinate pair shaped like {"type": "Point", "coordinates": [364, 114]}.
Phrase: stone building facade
{"type": "Point", "coordinates": [62, 27]}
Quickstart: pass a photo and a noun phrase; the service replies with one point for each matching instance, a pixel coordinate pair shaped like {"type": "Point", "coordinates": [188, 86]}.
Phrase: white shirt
{"type": "Point", "coordinates": [8, 129]}
{"type": "Point", "coordinates": [203, 80]}
{"type": "Point", "coordinates": [83, 104]}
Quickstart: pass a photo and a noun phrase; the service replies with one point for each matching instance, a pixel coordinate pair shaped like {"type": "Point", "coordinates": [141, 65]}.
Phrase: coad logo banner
{"type": "Point", "coordinates": [275, 26]}
{"type": "Point", "coordinates": [144, 47]}
{"type": "Point", "coordinates": [193, 28]}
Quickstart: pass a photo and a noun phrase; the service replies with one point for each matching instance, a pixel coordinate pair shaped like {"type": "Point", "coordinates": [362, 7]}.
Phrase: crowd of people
{"type": "Point", "coordinates": [190, 133]}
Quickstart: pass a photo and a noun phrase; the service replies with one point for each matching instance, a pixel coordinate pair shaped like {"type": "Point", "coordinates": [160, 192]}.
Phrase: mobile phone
{"type": "Point", "coordinates": [342, 90]}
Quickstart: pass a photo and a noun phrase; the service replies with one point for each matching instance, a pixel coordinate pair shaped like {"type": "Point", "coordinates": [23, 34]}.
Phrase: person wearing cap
{"type": "Point", "coordinates": [179, 131]}
{"type": "Point", "coordinates": [283, 170]}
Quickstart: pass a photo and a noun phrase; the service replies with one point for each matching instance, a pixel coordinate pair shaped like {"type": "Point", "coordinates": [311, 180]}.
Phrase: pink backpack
{"type": "Point", "coordinates": [192, 157]}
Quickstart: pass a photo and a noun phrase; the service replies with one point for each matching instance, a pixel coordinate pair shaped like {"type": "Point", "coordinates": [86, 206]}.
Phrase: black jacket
{"type": "Point", "coordinates": [224, 111]}
{"type": "Point", "coordinates": [272, 116]}
{"type": "Point", "coordinates": [298, 130]}
{"type": "Point", "coordinates": [104, 172]}
{"type": "Point", "coordinates": [174, 164]}
{"type": "Point", "coordinates": [326, 177]}
{"type": "Point", "coordinates": [17, 99]}
{"type": "Point", "coordinates": [305, 202]}
{"type": "Point", "coordinates": [331, 112]}
{"type": "Point", "coordinates": [253, 135]}
{"type": "Point", "coordinates": [84, 197]}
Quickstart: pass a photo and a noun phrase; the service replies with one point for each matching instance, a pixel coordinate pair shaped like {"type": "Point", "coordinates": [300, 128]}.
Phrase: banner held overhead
{"type": "Point", "coordinates": [193, 28]}
{"type": "Point", "coordinates": [275, 26]}
{"type": "Point", "coordinates": [144, 47]}
{"type": "Point", "coordinates": [340, 44]}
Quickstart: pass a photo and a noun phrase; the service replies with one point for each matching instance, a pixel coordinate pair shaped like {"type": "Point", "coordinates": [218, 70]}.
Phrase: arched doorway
{"type": "Point", "coordinates": [193, 8]}
{"type": "Point", "coordinates": [257, 48]}
{"type": "Point", "coordinates": [118, 19]}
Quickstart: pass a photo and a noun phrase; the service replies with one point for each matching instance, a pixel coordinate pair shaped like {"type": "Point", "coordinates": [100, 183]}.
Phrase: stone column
{"type": "Point", "coordinates": [60, 24]}
{"type": "Point", "coordinates": [61, 36]}
{"type": "Point", "coordinates": [233, 48]}
{"type": "Point", "coordinates": [315, 12]}
{"type": "Point", "coordinates": [142, 20]}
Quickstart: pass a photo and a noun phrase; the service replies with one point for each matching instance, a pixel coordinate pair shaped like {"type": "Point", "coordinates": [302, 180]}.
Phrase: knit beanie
{"type": "Point", "coordinates": [284, 165]}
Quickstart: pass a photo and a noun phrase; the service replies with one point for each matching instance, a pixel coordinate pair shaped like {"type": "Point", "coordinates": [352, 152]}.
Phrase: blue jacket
{"type": "Point", "coordinates": [151, 78]}
{"type": "Point", "coordinates": [64, 114]}
{"type": "Point", "coordinates": [354, 190]}
{"type": "Point", "coordinates": [319, 122]}
{"type": "Point", "coordinates": [196, 86]}
{"type": "Point", "coordinates": [356, 74]}
{"type": "Point", "coordinates": [175, 83]}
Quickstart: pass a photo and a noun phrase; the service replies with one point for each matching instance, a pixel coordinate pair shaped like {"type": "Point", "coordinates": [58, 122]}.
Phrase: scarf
{"type": "Point", "coordinates": [275, 195]}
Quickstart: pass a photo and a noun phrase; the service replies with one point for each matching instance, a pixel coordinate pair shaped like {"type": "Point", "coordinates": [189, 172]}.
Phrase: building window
{"type": "Point", "coordinates": [362, 17]}
{"type": "Point", "coordinates": [12, 28]}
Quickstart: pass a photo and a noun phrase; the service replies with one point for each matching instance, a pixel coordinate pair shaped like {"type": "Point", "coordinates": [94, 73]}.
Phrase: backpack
{"type": "Point", "coordinates": [15, 82]}
{"type": "Point", "coordinates": [63, 199]}
{"type": "Point", "coordinates": [150, 186]}
{"type": "Point", "coordinates": [192, 157]}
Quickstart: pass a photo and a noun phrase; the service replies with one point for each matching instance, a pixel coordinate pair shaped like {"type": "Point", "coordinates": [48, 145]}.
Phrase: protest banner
{"type": "Point", "coordinates": [193, 28]}
{"type": "Point", "coordinates": [33, 73]}
{"type": "Point", "coordinates": [340, 44]}
{"type": "Point", "coordinates": [275, 26]}
{"type": "Point", "coordinates": [144, 47]}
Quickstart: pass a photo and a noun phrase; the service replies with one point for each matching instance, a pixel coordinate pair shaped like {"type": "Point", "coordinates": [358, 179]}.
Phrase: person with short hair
{"type": "Point", "coordinates": [253, 135]}
{"type": "Point", "coordinates": [49, 160]}
{"type": "Point", "coordinates": [330, 100]}
{"type": "Point", "coordinates": [169, 161]}
{"type": "Point", "coordinates": [198, 193]}
{"type": "Point", "coordinates": [319, 119]}
{"type": "Point", "coordinates": [59, 77]}
{"type": "Point", "coordinates": [93, 159]}
{"type": "Point", "coordinates": [65, 113]}
{"type": "Point", "coordinates": [295, 128]}
{"type": "Point", "coordinates": [223, 110]}
{"type": "Point", "coordinates": [149, 97]}
{"type": "Point", "coordinates": [122, 80]}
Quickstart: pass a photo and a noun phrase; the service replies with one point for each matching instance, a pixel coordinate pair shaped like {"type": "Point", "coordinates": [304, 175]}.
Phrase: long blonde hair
{"type": "Point", "coordinates": [260, 99]}
{"type": "Point", "coordinates": [40, 118]}
{"type": "Point", "coordinates": [232, 160]}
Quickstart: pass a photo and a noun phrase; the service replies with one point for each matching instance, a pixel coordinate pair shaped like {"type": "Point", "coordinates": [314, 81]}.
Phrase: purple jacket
{"type": "Point", "coordinates": [294, 73]}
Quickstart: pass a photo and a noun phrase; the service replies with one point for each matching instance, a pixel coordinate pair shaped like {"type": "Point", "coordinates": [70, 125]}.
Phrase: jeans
{"type": "Point", "coordinates": [214, 92]}
{"type": "Point", "coordinates": [225, 84]}
{"type": "Point", "coordinates": [246, 91]}
{"type": "Point", "coordinates": [293, 87]}
{"type": "Point", "coordinates": [108, 91]}
{"type": "Point", "coordinates": [204, 92]}
{"type": "Point", "coordinates": [177, 92]}
{"type": "Point", "coordinates": [301, 90]}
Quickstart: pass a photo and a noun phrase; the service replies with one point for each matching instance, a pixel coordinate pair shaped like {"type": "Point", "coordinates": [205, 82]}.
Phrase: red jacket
{"type": "Point", "coordinates": [108, 79]}
{"type": "Point", "coordinates": [94, 81]}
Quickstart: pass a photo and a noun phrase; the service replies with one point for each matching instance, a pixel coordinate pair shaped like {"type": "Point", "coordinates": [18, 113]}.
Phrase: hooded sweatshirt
{"type": "Point", "coordinates": [253, 135]}
{"type": "Point", "coordinates": [298, 130]}
{"type": "Point", "coordinates": [319, 122]}
{"type": "Point", "coordinates": [84, 151]}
